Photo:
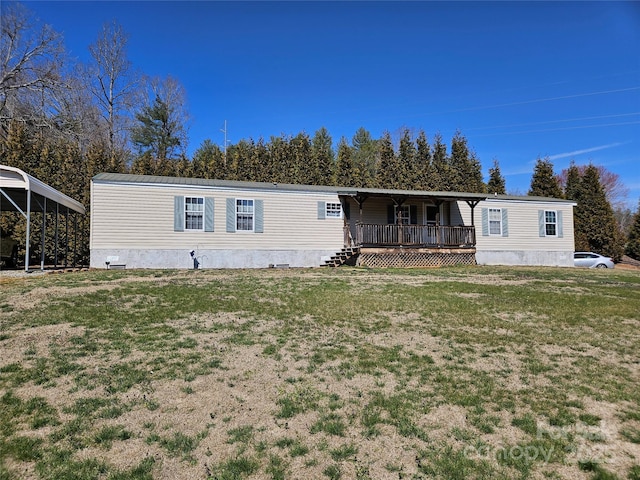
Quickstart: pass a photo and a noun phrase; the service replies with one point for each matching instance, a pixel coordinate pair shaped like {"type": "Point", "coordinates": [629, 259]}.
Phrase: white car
{"type": "Point", "coordinates": [592, 260]}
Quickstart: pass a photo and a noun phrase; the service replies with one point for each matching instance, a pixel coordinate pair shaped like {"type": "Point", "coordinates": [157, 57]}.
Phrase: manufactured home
{"type": "Point", "coordinates": [140, 221]}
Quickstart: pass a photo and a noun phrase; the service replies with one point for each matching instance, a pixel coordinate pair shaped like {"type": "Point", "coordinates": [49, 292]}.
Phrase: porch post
{"type": "Point", "coordinates": [28, 234]}
{"type": "Point", "coordinates": [438, 204]}
{"type": "Point", "coordinates": [66, 238]}
{"type": "Point", "coordinates": [473, 204]}
{"type": "Point", "coordinates": [75, 239]}
{"type": "Point", "coordinates": [55, 254]}
{"type": "Point", "coordinates": [44, 226]}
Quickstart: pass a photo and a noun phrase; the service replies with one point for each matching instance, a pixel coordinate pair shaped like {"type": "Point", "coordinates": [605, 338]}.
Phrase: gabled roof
{"type": "Point", "coordinates": [345, 191]}
{"type": "Point", "coordinates": [14, 185]}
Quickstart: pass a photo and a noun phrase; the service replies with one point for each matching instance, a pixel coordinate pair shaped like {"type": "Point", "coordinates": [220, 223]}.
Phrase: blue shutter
{"type": "Point", "coordinates": [208, 214]}
{"type": "Point", "coordinates": [505, 223]}
{"type": "Point", "coordinates": [485, 222]}
{"type": "Point", "coordinates": [178, 214]}
{"type": "Point", "coordinates": [559, 226]}
{"type": "Point", "coordinates": [541, 230]}
{"type": "Point", "coordinates": [322, 209]}
{"type": "Point", "coordinates": [258, 216]}
{"type": "Point", "coordinates": [231, 215]}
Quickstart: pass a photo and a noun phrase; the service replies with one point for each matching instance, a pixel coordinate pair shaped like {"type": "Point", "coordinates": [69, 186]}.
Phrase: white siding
{"type": "Point", "coordinates": [523, 245]}
{"type": "Point", "coordinates": [523, 226]}
{"type": "Point", "coordinates": [140, 216]}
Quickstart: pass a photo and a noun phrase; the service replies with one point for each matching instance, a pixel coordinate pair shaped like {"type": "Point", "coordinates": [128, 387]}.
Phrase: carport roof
{"type": "Point", "coordinates": [14, 185]}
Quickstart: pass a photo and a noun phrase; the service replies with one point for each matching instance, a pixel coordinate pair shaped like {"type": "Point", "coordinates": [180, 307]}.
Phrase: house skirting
{"type": "Point", "coordinates": [521, 257]}
{"type": "Point", "coordinates": [181, 259]}
{"type": "Point", "coordinates": [415, 257]}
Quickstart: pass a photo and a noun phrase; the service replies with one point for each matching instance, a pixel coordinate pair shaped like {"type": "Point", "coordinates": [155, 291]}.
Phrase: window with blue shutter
{"type": "Point", "coordinates": [208, 214]}
{"type": "Point", "coordinates": [178, 214]}
{"type": "Point", "coordinates": [505, 223]}
{"type": "Point", "coordinates": [231, 215]}
{"type": "Point", "coordinates": [485, 222]}
{"type": "Point", "coordinates": [258, 225]}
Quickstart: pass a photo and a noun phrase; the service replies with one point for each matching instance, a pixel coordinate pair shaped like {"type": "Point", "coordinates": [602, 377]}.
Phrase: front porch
{"type": "Point", "coordinates": [397, 229]}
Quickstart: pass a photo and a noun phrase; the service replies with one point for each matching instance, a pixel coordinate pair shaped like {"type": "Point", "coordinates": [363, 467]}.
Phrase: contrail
{"type": "Point", "coordinates": [586, 150]}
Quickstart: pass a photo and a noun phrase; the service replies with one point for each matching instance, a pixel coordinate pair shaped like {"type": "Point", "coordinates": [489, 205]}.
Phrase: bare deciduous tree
{"type": "Point", "coordinates": [112, 81]}
{"type": "Point", "coordinates": [31, 59]}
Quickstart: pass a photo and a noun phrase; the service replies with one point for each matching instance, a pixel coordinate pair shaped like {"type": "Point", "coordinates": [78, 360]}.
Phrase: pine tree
{"type": "Point", "coordinates": [496, 182]}
{"type": "Point", "coordinates": [156, 130]}
{"type": "Point", "coordinates": [543, 181]}
{"type": "Point", "coordinates": [633, 242]}
{"type": "Point", "coordinates": [594, 221]}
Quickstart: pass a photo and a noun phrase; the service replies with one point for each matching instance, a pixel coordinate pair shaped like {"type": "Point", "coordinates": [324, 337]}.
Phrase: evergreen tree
{"type": "Point", "coordinates": [303, 167]}
{"type": "Point", "coordinates": [424, 163]}
{"type": "Point", "coordinates": [496, 182]}
{"type": "Point", "coordinates": [441, 170]}
{"type": "Point", "coordinates": [390, 172]}
{"type": "Point", "coordinates": [184, 168]}
{"type": "Point", "coordinates": [144, 165]}
{"type": "Point", "coordinates": [465, 169]}
{"type": "Point", "coordinates": [346, 170]}
{"type": "Point", "coordinates": [156, 131]}
{"type": "Point", "coordinates": [323, 155]}
{"type": "Point", "coordinates": [238, 161]}
{"type": "Point", "coordinates": [595, 224]}
{"type": "Point", "coordinates": [572, 186]}
{"type": "Point", "coordinates": [260, 162]}
{"type": "Point", "coordinates": [543, 181]}
{"type": "Point", "coordinates": [408, 162]}
{"type": "Point", "coordinates": [633, 242]}
{"type": "Point", "coordinates": [280, 159]}
{"type": "Point", "coordinates": [208, 161]}
{"type": "Point", "coordinates": [365, 157]}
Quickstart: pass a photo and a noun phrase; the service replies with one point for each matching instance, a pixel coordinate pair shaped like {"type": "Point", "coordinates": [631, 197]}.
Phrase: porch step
{"type": "Point", "coordinates": [344, 256]}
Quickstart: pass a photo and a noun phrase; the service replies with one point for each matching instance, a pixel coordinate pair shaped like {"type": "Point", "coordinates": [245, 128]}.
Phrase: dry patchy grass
{"type": "Point", "coordinates": [341, 373]}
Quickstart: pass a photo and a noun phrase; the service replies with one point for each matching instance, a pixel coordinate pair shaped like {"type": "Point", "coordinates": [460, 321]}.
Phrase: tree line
{"type": "Point", "coordinates": [63, 121]}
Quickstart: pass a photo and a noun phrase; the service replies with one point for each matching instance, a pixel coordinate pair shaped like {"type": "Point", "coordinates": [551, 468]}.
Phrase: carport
{"type": "Point", "coordinates": [20, 192]}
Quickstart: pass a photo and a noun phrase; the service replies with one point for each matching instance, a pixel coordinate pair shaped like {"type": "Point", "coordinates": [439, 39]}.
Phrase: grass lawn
{"type": "Point", "coordinates": [457, 373]}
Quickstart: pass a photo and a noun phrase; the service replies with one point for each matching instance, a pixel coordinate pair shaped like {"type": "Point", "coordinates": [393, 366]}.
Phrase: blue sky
{"type": "Point", "coordinates": [520, 80]}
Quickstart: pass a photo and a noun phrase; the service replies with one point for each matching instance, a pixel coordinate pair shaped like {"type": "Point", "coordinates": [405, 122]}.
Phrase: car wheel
{"type": "Point", "coordinates": [601, 265]}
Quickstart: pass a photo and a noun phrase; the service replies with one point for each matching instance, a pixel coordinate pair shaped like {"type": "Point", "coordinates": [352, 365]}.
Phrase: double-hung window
{"type": "Point", "coordinates": [333, 210]}
{"type": "Point", "coordinates": [495, 221]}
{"type": "Point", "coordinates": [194, 213]}
{"type": "Point", "coordinates": [550, 223]}
{"type": "Point", "coordinates": [244, 215]}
